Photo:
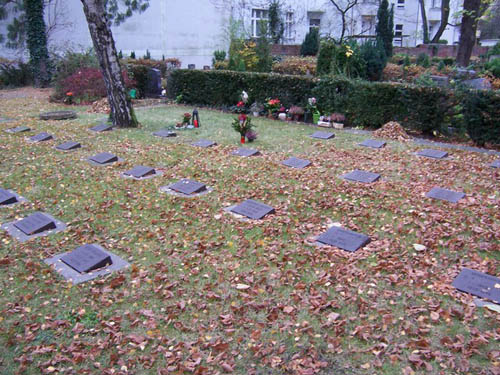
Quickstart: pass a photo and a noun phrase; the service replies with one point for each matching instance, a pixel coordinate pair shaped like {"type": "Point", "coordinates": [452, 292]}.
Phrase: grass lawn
{"type": "Point", "coordinates": [208, 293]}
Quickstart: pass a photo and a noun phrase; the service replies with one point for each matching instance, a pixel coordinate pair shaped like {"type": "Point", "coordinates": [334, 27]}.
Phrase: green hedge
{"type": "Point", "coordinates": [368, 104]}
{"type": "Point", "coordinates": [223, 87]}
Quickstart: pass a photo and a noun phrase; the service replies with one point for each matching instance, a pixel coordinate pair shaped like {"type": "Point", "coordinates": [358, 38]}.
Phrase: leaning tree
{"type": "Point", "coordinates": [100, 14]}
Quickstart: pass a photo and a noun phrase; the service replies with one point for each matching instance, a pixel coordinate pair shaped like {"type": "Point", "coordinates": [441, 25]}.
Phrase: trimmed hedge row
{"type": "Point", "coordinates": [368, 104]}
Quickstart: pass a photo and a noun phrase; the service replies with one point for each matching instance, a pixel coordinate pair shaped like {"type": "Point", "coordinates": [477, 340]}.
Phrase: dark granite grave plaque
{"type": "Point", "coordinates": [246, 152]}
{"type": "Point", "coordinates": [478, 284]}
{"type": "Point", "coordinates": [296, 163]}
{"type": "Point", "coordinates": [430, 153]}
{"type": "Point", "coordinates": [495, 164]}
{"type": "Point", "coordinates": [35, 223]}
{"type": "Point", "coordinates": [153, 83]}
{"type": "Point", "coordinates": [165, 133]}
{"type": "Point", "coordinates": [41, 137]}
{"type": "Point", "coordinates": [343, 239]}
{"type": "Point", "coordinates": [188, 187]}
{"type": "Point", "coordinates": [67, 146]}
{"type": "Point", "coordinates": [86, 258]}
{"type": "Point", "coordinates": [140, 171]}
{"type": "Point", "coordinates": [205, 143]}
{"type": "Point", "coordinates": [253, 209]}
{"type": "Point", "coordinates": [373, 143]}
{"type": "Point", "coordinates": [102, 128]}
{"type": "Point", "coordinates": [361, 176]}
{"type": "Point", "coordinates": [445, 195]}
{"type": "Point", "coordinates": [6, 197]}
{"type": "Point", "coordinates": [323, 135]}
{"type": "Point", "coordinates": [18, 129]}
{"type": "Point", "coordinates": [104, 158]}
{"type": "Point", "coordinates": [58, 115]}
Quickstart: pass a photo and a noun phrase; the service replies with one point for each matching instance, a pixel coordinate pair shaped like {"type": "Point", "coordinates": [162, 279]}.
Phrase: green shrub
{"type": "Point", "coordinates": [219, 55]}
{"type": "Point", "coordinates": [442, 41]}
{"type": "Point", "coordinates": [481, 111]}
{"type": "Point", "coordinates": [140, 75]}
{"type": "Point", "coordinates": [325, 57]}
{"type": "Point", "coordinates": [347, 61]}
{"type": "Point", "coordinates": [310, 45]}
{"type": "Point", "coordinates": [423, 60]}
{"type": "Point", "coordinates": [495, 50]}
{"type": "Point", "coordinates": [295, 65]}
{"type": "Point", "coordinates": [373, 54]}
{"type": "Point", "coordinates": [15, 74]}
{"type": "Point", "coordinates": [494, 67]}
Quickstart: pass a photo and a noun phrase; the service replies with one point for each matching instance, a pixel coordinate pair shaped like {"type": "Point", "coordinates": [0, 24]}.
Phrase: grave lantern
{"type": "Point", "coordinates": [196, 119]}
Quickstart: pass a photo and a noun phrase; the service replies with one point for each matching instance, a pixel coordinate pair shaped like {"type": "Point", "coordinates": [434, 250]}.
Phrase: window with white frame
{"type": "Point", "coordinates": [288, 25]}
{"type": "Point", "coordinates": [367, 25]}
{"type": "Point", "coordinates": [258, 17]}
{"type": "Point", "coordinates": [398, 31]}
{"type": "Point", "coordinates": [314, 23]}
{"type": "Point", "coordinates": [401, 4]}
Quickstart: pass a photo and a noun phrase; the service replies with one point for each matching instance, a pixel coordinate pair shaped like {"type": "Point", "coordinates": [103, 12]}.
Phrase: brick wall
{"type": "Point", "coordinates": [286, 50]}
{"type": "Point", "coordinates": [439, 50]}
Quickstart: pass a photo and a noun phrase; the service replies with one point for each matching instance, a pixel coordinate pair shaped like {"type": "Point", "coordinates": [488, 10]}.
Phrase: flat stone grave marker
{"type": "Point", "coordinates": [495, 164]}
{"type": "Point", "coordinates": [41, 137]}
{"type": "Point", "coordinates": [35, 223]}
{"type": "Point", "coordinates": [445, 195]}
{"type": "Point", "coordinates": [104, 158]}
{"type": "Point", "coordinates": [140, 171]}
{"type": "Point", "coordinates": [165, 133]}
{"type": "Point", "coordinates": [246, 152]}
{"type": "Point", "coordinates": [68, 146]}
{"type": "Point", "coordinates": [478, 284]}
{"type": "Point", "coordinates": [205, 143]}
{"type": "Point", "coordinates": [373, 143]}
{"type": "Point", "coordinates": [253, 209]}
{"type": "Point", "coordinates": [18, 129]}
{"type": "Point", "coordinates": [58, 115]}
{"type": "Point", "coordinates": [343, 239]}
{"type": "Point", "coordinates": [434, 154]}
{"type": "Point", "coordinates": [102, 128]}
{"type": "Point", "coordinates": [294, 162]}
{"type": "Point", "coordinates": [188, 187]}
{"type": "Point", "coordinates": [6, 197]}
{"type": "Point", "coordinates": [361, 176]}
{"type": "Point", "coordinates": [86, 258]}
{"type": "Point", "coordinates": [323, 135]}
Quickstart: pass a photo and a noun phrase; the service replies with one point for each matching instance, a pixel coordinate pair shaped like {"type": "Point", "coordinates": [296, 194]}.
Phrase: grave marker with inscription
{"type": "Point", "coordinates": [373, 143]}
{"type": "Point", "coordinates": [165, 133]}
{"type": "Point", "coordinates": [253, 209]}
{"type": "Point", "coordinates": [35, 223]}
{"type": "Point", "coordinates": [102, 128]}
{"type": "Point", "coordinates": [6, 197]}
{"type": "Point", "coordinates": [188, 187]}
{"type": "Point", "coordinates": [205, 143]}
{"type": "Point", "coordinates": [18, 129]}
{"type": "Point", "coordinates": [41, 137]}
{"type": "Point", "coordinates": [140, 171]}
{"type": "Point", "coordinates": [296, 163]}
{"type": "Point", "coordinates": [343, 239]}
{"type": "Point", "coordinates": [86, 258]}
{"type": "Point", "coordinates": [445, 195]}
{"type": "Point", "coordinates": [323, 135]}
{"type": "Point", "coordinates": [104, 158]}
{"type": "Point", "coordinates": [246, 152]}
{"type": "Point", "coordinates": [68, 146]}
{"type": "Point", "coordinates": [361, 176]}
{"type": "Point", "coordinates": [434, 154]}
{"type": "Point", "coordinates": [478, 284]}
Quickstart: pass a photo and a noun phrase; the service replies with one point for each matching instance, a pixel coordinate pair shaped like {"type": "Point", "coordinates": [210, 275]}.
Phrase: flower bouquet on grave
{"type": "Point", "coordinates": [69, 98]}
{"type": "Point", "coordinates": [312, 110]}
{"type": "Point", "coordinates": [242, 124]}
{"type": "Point", "coordinates": [272, 106]}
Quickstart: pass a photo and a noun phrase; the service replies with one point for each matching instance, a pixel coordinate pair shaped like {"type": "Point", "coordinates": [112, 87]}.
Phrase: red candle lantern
{"type": "Point", "coordinates": [196, 119]}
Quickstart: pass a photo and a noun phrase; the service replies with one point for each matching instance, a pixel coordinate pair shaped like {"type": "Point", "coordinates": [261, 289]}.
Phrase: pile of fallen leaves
{"type": "Point", "coordinates": [100, 106]}
{"type": "Point", "coordinates": [392, 130]}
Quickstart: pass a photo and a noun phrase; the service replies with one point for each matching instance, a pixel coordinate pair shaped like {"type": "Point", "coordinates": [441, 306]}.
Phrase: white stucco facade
{"type": "Point", "coordinates": [191, 30]}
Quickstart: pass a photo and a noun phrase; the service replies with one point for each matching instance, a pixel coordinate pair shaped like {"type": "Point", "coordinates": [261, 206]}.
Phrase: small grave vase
{"type": "Point", "coordinates": [316, 117]}
{"type": "Point", "coordinates": [282, 116]}
{"type": "Point", "coordinates": [242, 140]}
{"type": "Point", "coordinates": [255, 114]}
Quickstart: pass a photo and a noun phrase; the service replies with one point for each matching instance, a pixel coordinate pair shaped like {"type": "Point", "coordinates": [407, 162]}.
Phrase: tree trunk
{"type": "Point", "coordinates": [37, 42]}
{"type": "Point", "coordinates": [122, 113]}
{"type": "Point", "coordinates": [445, 15]}
{"type": "Point", "coordinates": [425, 26]}
{"type": "Point", "coordinates": [470, 17]}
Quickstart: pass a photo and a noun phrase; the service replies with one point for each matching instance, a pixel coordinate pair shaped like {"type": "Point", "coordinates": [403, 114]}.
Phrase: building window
{"type": "Point", "coordinates": [398, 31]}
{"type": "Point", "coordinates": [433, 26]}
{"type": "Point", "coordinates": [367, 25]}
{"type": "Point", "coordinates": [401, 4]}
{"type": "Point", "coordinates": [436, 4]}
{"type": "Point", "coordinates": [258, 16]}
{"type": "Point", "coordinates": [314, 23]}
{"type": "Point", "coordinates": [288, 25]}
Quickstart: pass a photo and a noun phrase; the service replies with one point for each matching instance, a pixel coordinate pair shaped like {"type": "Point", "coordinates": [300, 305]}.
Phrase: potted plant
{"type": "Point", "coordinates": [313, 110]}
{"type": "Point", "coordinates": [186, 118]}
{"type": "Point", "coordinates": [296, 112]}
{"type": "Point", "coordinates": [256, 108]}
{"type": "Point", "coordinates": [251, 135]}
{"type": "Point", "coordinates": [272, 106]}
{"type": "Point", "coordinates": [242, 124]}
